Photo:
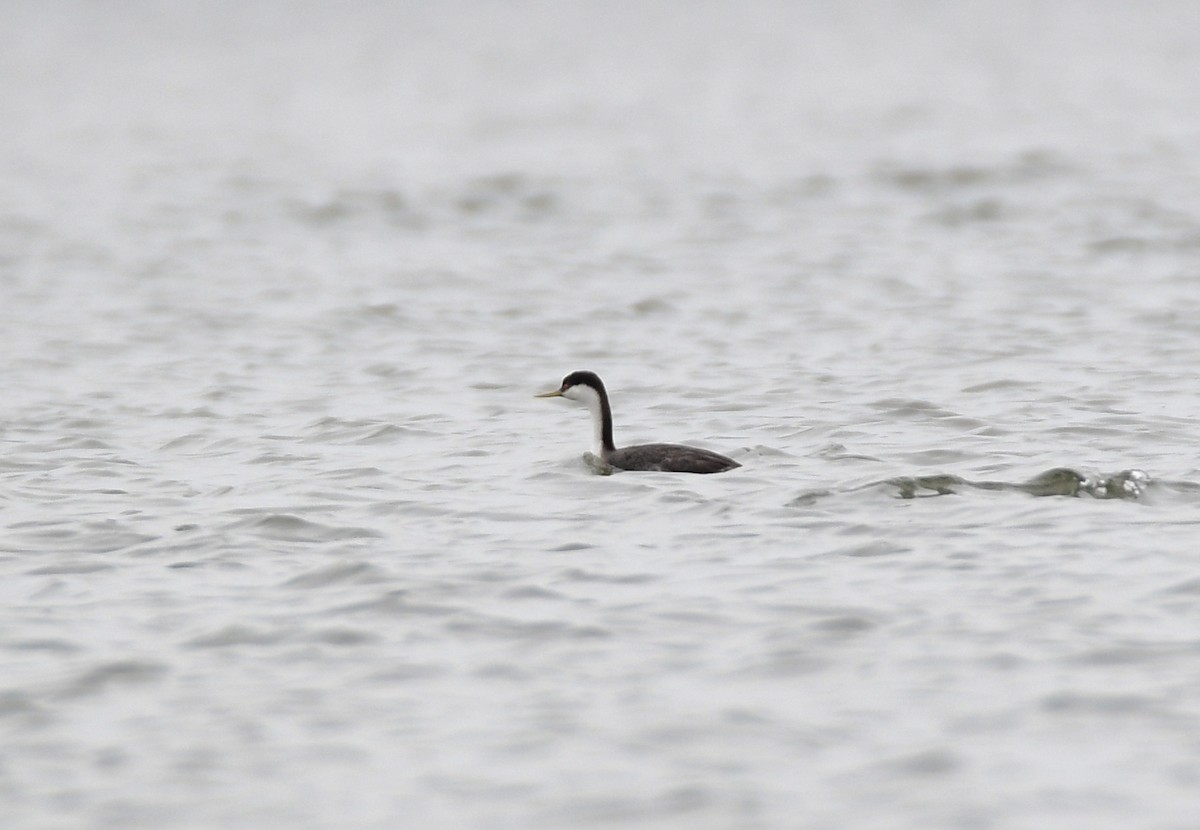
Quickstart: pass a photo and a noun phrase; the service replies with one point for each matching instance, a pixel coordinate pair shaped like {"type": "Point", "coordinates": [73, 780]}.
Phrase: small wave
{"type": "Point", "coordinates": [64, 537]}
{"type": "Point", "coordinates": [1099, 704]}
{"type": "Point", "coordinates": [117, 673]}
{"type": "Point", "coordinates": [340, 431]}
{"type": "Point", "coordinates": [355, 206]}
{"type": "Point", "coordinates": [238, 635]}
{"type": "Point", "coordinates": [512, 195]}
{"type": "Point", "coordinates": [289, 528]}
{"type": "Point", "coordinates": [282, 459]}
{"type": "Point", "coordinates": [396, 603]}
{"type": "Point", "coordinates": [1027, 168]}
{"type": "Point", "coordinates": [17, 703]}
{"type": "Point", "coordinates": [69, 568]}
{"type": "Point", "coordinates": [1187, 587]}
{"type": "Point", "coordinates": [355, 573]}
{"type": "Point", "coordinates": [581, 575]}
{"type": "Point", "coordinates": [508, 629]}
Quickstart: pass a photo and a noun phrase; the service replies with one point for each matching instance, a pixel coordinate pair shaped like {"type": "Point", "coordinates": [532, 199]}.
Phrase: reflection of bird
{"type": "Point", "coordinates": [587, 388]}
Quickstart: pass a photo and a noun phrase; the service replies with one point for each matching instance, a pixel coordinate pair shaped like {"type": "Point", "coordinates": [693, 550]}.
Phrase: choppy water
{"type": "Point", "coordinates": [289, 543]}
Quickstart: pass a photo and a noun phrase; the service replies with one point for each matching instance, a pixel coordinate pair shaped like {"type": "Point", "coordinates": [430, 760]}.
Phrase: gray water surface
{"type": "Point", "coordinates": [288, 542]}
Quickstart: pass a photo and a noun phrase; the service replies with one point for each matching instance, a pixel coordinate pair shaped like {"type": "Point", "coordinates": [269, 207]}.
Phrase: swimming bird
{"type": "Point", "coordinates": [587, 388]}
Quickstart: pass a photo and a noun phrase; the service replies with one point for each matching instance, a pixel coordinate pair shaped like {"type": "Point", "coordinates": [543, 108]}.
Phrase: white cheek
{"type": "Point", "coordinates": [582, 394]}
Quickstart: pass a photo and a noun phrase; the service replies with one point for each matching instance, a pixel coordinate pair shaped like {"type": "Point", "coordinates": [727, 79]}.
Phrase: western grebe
{"type": "Point", "coordinates": [587, 388]}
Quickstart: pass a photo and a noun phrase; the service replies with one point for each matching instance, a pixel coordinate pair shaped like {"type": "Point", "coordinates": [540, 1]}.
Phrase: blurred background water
{"type": "Point", "coordinates": [289, 543]}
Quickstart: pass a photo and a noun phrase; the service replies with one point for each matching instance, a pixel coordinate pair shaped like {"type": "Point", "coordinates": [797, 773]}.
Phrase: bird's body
{"type": "Point", "coordinates": [587, 388]}
{"type": "Point", "coordinates": [669, 458]}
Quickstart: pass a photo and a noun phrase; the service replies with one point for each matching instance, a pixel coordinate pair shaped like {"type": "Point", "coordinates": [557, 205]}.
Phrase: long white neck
{"type": "Point", "coordinates": [587, 396]}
